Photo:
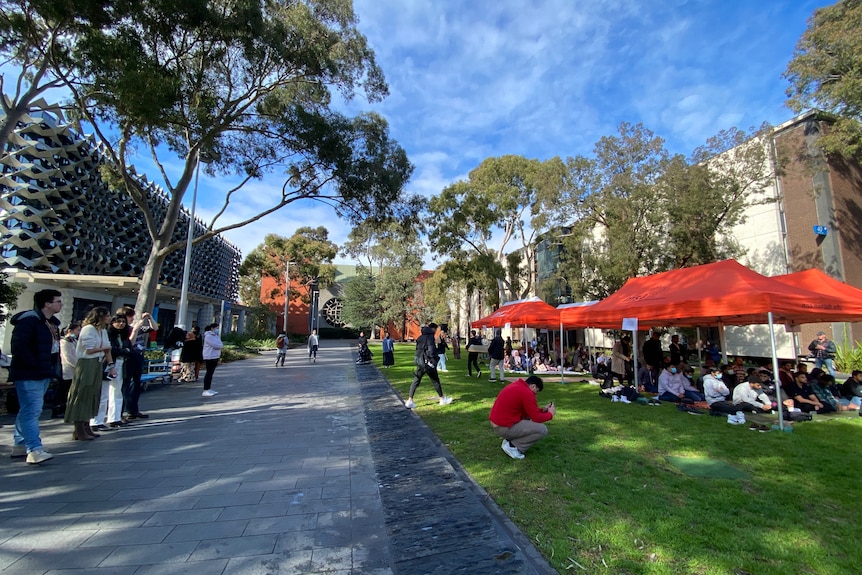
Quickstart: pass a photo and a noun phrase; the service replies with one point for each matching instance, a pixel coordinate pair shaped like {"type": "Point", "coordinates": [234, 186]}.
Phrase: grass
{"type": "Point", "coordinates": [598, 494]}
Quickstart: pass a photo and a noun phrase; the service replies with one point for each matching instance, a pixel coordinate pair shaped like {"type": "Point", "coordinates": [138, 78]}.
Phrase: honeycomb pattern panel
{"type": "Point", "coordinates": [57, 215]}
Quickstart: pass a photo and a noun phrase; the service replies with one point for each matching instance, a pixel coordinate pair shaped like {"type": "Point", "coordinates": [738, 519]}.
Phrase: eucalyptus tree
{"type": "Point", "coordinates": [497, 208]}
{"type": "Point", "coordinates": [826, 73]}
{"type": "Point", "coordinates": [246, 87]}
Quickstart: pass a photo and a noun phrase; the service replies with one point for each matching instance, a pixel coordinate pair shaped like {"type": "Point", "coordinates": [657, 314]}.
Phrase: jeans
{"type": "Point", "coordinates": [31, 396]}
{"type": "Point", "coordinates": [496, 365]}
{"type": "Point", "coordinates": [857, 401]}
{"type": "Point", "coordinates": [828, 362]}
{"type": "Point", "coordinates": [441, 363]}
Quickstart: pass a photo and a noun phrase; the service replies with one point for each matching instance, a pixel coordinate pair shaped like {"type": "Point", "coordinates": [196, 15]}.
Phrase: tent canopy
{"type": "Point", "coordinates": [723, 292]}
{"type": "Point", "coordinates": [817, 281]}
{"type": "Point", "coordinates": [532, 312]}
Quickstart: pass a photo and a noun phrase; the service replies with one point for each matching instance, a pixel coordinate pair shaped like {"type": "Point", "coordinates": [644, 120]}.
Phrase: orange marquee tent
{"type": "Point", "coordinates": [818, 281]}
{"type": "Point", "coordinates": [721, 293]}
{"type": "Point", "coordinates": [531, 312]}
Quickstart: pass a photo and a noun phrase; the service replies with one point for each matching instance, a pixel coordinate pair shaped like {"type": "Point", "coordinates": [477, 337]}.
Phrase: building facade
{"type": "Point", "coordinates": [59, 218]}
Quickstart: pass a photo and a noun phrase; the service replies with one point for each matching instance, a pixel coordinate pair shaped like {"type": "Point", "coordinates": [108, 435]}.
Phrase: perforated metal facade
{"type": "Point", "coordinates": [57, 215]}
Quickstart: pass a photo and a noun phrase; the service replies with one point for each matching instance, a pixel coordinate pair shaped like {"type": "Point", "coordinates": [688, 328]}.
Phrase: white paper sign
{"type": "Point", "coordinates": [630, 323]}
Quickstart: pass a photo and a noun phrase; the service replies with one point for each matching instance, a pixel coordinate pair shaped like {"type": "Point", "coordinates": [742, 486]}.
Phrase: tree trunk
{"type": "Point", "coordinates": [150, 279]}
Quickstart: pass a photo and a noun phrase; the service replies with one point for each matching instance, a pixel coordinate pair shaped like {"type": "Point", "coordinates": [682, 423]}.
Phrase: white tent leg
{"type": "Point", "coordinates": [722, 341]}
{"type": "Point", "coordinates": [775, 373]}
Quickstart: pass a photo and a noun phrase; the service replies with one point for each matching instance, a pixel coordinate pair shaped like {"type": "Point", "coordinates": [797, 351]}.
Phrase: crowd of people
{"type": "Point", "coordinates": [97, 365]}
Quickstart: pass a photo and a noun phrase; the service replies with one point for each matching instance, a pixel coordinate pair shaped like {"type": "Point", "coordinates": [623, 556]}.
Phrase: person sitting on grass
{"type": "Point", "coordinates": [801, 393]}
{"type": "Point", "coordinates": [517, 418]}
{"type": "Point", "coordinates": [646, 379]}
{"type": "Point", "coordinates": [716, 392]}
{"type": "Point", "coordinates": [749, 396]}
{"type": "Point", "coordinates": [851, 390]}
{"type": "Point", "coordinates": [673, 386]}
{"type": "Point", "coordinates": [825, 390]}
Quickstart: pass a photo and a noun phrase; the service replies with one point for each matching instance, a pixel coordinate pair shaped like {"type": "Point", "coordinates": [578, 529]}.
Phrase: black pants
{"type": "Point", "coordinates": [208, 378]}
{"type": "Point", "coordinates": [422, 369]}
{"type": "Point", "coordinates": [473, 361]}
{"type": "Point", "coordinates": [133, 368]}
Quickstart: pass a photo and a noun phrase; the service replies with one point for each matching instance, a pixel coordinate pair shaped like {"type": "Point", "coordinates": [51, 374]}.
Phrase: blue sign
{"type": "Point", "coordinates": [821, 230]}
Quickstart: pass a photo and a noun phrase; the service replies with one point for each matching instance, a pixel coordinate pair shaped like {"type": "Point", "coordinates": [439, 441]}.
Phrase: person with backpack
{"type": "Point", "coordinates": [281, 349]}
{"type": "Point", "coordinates": [426, 359]}
{"type": "Point", "coordinates": [497, 351]}
{"type": "Point", "coordinates": [313, 343]}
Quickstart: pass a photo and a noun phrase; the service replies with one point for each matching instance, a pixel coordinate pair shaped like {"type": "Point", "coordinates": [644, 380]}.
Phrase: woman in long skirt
{"type": "Point", "coordinates": [388, 350]}
{"type": "Point", "coordinates": [94, 348]}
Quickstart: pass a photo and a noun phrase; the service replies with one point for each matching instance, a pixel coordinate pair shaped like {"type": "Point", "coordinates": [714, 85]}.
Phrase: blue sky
{"type": "Point", "coordinates": [472, 80]}
{"type": "Point", "coordinates": [544, 78]}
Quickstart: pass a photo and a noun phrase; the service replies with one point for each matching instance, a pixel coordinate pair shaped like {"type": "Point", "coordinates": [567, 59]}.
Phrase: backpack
{"type": "Point", "coordinates": [279, 342]}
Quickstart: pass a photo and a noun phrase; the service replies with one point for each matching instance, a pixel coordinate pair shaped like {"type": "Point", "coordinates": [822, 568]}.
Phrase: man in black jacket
{"type": "Point", "coordinates": [497, 351]}
{"type": "Point", "coordinates": [35, 362]}
{"type": "Point", "coordinates": [473, 355]}
{"type": "Point", "coordinates": [426, 359]}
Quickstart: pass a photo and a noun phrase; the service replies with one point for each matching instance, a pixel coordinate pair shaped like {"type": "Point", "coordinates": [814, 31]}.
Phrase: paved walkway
{"type": "Point", "coordinates": [301, 469]}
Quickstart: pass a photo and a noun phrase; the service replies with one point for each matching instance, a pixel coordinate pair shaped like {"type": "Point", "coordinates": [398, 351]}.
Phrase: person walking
{"type": "Point", "coordinates": [426, 363]}
{"type": "Point", "coordinates": [280, 349]}
{"type": "Point", "coordinates": [473, 342]}
{"type": "Point", "coordinates": [94, 350]}
{"type": "Point", "coordinates": [191, 355]}
{"type": "Point", "coordinates": [212, 352]}
{"type": "Point", "coordinates": [388, 350]}
{"type": "Point", "coordinates": [35, 351]}
{"type": "Point", "coordinates": [497, 352]}
{"type": "Point", "coordinates": [313, 343]}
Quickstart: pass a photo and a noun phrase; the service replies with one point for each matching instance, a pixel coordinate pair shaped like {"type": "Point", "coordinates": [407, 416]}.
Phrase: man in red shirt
{"type": "Point", "coordinates": [517, 418]}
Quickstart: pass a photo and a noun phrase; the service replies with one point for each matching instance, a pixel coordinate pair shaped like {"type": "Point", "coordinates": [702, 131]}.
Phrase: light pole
{"type": "Point", "coordinates": [184, 292]}
{"type": "Point", "coordinates": [286, 295]}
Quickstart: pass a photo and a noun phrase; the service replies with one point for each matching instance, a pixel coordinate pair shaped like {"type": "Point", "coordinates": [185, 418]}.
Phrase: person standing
{"type": "Point", "coordinates": [35, 362]}
{"type": "Point", "coordinates": [212, 352]}
{"type": "Point", "coordinates": [497, 352]}
{"type": "Point", "coordinates": [824, 351]}
{"type": "Point", "coordinates": [111, 402]}
{"type": "Point", "coordinates": [426, 363]}
{"type": "Point", "coordinates": [280, 349]}
{"type": "Point", "coordinates": [313, 343]}
{"type": "Point", "coordinates": [94, 350]}
{"type": "Point", "coordinates": [388, 350]}
{"type": "Point", "coordinates": [472, 354]}
{"type": "Point", "coordinates": [517, 418]}
{"type": "Point", "coordinates": [190, 355]}
{"type": "Point", "coordinates": [139, 335]}
{"type": "Point", "coordinates": [652, 352]}
{"type": "Point", "coordinates": [441, 351]}
{"type": "Point", "coordinates": [68, 359]}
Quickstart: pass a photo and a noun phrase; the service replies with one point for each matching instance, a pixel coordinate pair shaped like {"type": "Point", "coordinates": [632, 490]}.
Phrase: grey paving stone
{"type": "Point", "coordinates": [235, 547]}
{"type": "Point", "coordinates": [161, 553]}
{"type": "Point", "coordinates": [127, 536]}
{"type": "Point", "coordinates": [43, 560]}
{"type": "Point", "coordinates": [205, 531]}
{"type": "Point", "coordinates": [187, 516]}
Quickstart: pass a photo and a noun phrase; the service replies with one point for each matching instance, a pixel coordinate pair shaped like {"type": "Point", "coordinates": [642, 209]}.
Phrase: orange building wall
{"type": "Point", "coordinates": [297, 315]}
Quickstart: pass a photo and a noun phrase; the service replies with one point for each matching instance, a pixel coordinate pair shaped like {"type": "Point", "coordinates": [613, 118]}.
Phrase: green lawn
{"type": "Point", "coordinates": [598, 494]}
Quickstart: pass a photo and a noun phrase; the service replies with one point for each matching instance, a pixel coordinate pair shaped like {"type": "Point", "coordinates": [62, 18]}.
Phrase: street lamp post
{"type": "Point", "coordinates": [184, 292]}
{"type": "Point", "coordinates": [286, 296]}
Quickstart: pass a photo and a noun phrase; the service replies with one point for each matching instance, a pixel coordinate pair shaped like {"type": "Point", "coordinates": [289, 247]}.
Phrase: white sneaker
{"type": "Point", "coordinates": [209, 393]}
{"type": "Point", "coordinates": [38, 456]}
{"type": "Point", "coordinates": [511, 450]}
{"type": "Point", "coordinates": [740, 417]}
{"type": "Point", "coordinates": [445, 400]}
{"type": "Point", "coordinates": [624, 399]}
{"type": "Point", "coordinates": [615, 398]}
{"type": "Point", "coordinates": [409, 404]}
{"type": "Point", "coordinates": [733, 420]}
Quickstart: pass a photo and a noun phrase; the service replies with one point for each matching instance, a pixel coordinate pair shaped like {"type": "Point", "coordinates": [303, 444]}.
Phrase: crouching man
{"type": "Point", "coordinates": [517, 418]}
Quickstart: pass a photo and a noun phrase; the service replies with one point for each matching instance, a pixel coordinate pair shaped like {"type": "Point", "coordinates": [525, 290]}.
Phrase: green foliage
{"type": "Point", "coordinates": [9, 293]}
{"type": "Point", "coordinates": [310, 253]}
{"type": "Point", "coordinates": [826, 73]}
{"type": "Point", "coordinates": [242, 86]}
{"type": "Point", "coordinates": [362, 306]}
{"type": "Point", "coordinates": [848, 356]}
{"type": "Point", "coordinates": [598, 494]}
{"type": "Point", "coordinates": [502, 198]}
{"type": "Point", "coordinates": [638, 211]}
